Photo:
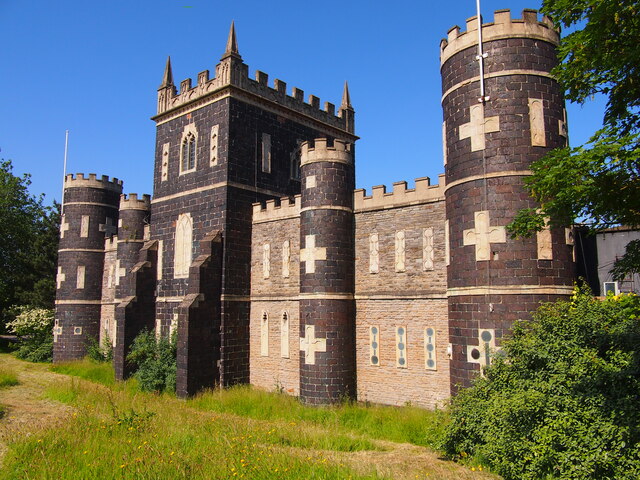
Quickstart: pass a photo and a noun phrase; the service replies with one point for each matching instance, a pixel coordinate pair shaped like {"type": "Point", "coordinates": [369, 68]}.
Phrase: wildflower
{"type": "Point", "coordinates": [172, 453]}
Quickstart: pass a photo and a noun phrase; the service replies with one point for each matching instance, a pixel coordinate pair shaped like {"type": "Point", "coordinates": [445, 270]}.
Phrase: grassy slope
{"type": "Point", "coordinates": [117, 432]}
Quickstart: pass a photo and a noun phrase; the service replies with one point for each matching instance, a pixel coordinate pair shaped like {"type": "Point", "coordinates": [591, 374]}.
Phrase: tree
{"type": "Point", "coordinates": [562, 400]}
{"type": "Point", "coordinates": [598, 182]}
{"type": "Point", "coordinates": [28, 245]}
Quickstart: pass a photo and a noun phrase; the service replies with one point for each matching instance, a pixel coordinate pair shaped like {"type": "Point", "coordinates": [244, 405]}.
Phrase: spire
{"type": "Point", "coordinates": [232, 43]}
{"type": "Point", "coordinates": [167, 79]}
{"type": "Point", "coordinates": [346, 98]}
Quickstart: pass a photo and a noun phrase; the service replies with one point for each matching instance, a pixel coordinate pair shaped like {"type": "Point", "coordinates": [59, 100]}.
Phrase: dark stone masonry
{"type": "Point", "coordinates": [256, 251]}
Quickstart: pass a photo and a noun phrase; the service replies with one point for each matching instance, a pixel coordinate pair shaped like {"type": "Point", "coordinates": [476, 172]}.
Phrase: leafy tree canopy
{"type": "Point", "coordinates": [598, 182]}
{"type": "Point", "coordinates": [562, 402]}
{"type": "Point", "coordinates": [28, 245]}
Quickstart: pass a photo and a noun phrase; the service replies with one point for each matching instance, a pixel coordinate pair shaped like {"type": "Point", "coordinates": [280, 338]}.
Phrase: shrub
{"type": "Point", "coordinates": [34, 327]}
{"type": "Point", "coordinates": [156, 362]}
{"type": "Point", "coordinates": [563, 400]}
{"type": "Point", "coordinates": [100, 353]}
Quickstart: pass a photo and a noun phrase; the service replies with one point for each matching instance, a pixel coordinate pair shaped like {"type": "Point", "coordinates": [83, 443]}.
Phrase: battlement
{"type": "Point", "coordinates": [92, 181]}
{"type": "Point", "coordinates": [503, 26]}
{"type": "Point", "coordinates": [401, 196]}
{"type": "Point", "coordinates": [111, 243]}
{"type": "Point", "coordinates": [320, 151]}
{"type": "Point", "coordinates": [135, 203]}
{"type": "Point", "coordinates": [232, 71]}
{"type": "Point", "coordinates": [271, 210]}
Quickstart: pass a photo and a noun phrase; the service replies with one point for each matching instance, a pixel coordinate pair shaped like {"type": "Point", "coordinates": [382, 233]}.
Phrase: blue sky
{"type": "Point", "coordinates": [93, 67]}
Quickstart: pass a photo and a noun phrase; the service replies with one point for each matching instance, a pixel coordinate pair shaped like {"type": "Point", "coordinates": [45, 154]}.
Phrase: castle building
{"type": "Point", "coordinates": [272, 270]}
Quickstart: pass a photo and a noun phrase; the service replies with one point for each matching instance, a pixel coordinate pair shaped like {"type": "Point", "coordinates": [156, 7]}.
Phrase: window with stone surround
{"type": "Point", "coordinates": [374, 258]}
{"type": "Point", "coordinates": [264, 335]}
{"type": "Point", "coordinates": [296, 155]}
{"type": "Point", "coordinates": [430, 360]}
{"type": "Point", "coordinates": [188, 146]}
{"type": "Point", "coordinates": [284, 335]}
{"type": "Point", "coordinates": [183, 246]}
{"type": "Point", "coordinates": [374, 346]}
{"type": "Point", "coordinates": [265, 152]}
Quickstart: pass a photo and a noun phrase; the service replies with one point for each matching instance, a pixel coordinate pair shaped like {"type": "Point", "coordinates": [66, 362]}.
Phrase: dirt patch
{"type": "Point", "coordinates": [27, 411]}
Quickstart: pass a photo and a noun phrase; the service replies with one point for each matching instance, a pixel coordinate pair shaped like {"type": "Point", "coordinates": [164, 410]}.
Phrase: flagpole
{"type": "Point", "coordinates": [64, 168]}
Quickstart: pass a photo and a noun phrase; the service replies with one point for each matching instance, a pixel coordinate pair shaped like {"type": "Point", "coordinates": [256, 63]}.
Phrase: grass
{"type": "Point", "coordinates": [88, 369]}
{"type": "Point", "coordinates": [8, 378]}
{"type": "Point", "coordinates": [116, 431]}
{"type": "Point", "coordinates": [407, 424]}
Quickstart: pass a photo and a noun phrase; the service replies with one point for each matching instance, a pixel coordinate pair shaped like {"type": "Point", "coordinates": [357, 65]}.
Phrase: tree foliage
{"type": "Point", "coordinates": [34, 327]}
{"type": "Point", "coordinates": [562, 402]}
{"type": "Point", "coordinates": [598, 182]}
{"type": "Point", "coordinates": [28, 245]}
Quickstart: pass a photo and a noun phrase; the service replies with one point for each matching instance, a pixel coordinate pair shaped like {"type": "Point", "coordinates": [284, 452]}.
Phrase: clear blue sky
{"type": "Point", "coordinates": [94, 67]}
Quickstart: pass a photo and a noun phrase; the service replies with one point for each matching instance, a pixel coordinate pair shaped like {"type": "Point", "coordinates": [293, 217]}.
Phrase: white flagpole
{"type": "Point", "coordinates": [64, 169]}
{"type": "Point", "coordinates": [481, 55]}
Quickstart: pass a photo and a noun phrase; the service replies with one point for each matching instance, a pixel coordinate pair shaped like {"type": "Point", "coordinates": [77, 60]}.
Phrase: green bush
{"type": "Point", "coordinates": [562, 402]}
{"type": "Point", "coordinates": [155, 360]}
{"type": "Point", "coordinates": [34, 327]}
{"type": "Point", "coordinates": [100, 353]}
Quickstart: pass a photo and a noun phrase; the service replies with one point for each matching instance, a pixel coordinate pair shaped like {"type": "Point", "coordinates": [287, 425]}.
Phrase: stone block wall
{"type": "Point", "coordinates": [274, 292]}
{"type": "Point", "coordinates": [407, 293]}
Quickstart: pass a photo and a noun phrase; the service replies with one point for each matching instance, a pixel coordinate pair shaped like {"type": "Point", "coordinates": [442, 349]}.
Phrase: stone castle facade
{"type": "Point", "coordinates": [256, 250]}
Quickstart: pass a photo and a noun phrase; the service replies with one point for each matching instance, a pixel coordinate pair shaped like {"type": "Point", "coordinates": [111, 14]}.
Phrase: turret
{"type": "Point", "coordinates": [134, 219]}
{"type": "Point", "coordinates": [327, 255]}
{"type": "Point", "coordinates": [90, 214]}
{"type": "Point", "coordinates": [495, 126]}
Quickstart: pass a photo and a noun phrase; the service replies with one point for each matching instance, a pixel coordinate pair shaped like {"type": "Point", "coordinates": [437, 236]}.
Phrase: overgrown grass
{"type": "Point", "coordinates": [99, 372]}
{"type": "Point", "coordinates": [8, 378]}
{"type": "Point", "coordinates": [118, 434]}
{"type": "Point", "coordinates": [407, 424]}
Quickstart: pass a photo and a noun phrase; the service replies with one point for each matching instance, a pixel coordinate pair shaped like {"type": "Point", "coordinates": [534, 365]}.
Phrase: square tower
{"type": "Point", "coordinates": [222, 145]}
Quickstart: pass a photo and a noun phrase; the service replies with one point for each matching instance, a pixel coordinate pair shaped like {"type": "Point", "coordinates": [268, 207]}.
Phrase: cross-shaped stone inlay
{"type": "Point", "coordinates": [60, 277]}
{"type": "Point", "coordinates": [108, 227]}
{"type": "Point", "coordinates": [120, 272]}
{"type": "Point", "coordinates": [310, 344]}
{"type": "Point", "coordinates": [64, 226]}
{"type": "Point", "coordinates": [310, 254]}
{"type": "Point", "coordinates": [478, 126]}
{"type": "Point", "coordinates": [483, 235]}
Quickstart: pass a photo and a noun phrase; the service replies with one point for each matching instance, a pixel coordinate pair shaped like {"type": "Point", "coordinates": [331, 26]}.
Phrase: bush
{"type": "Point", "coordinates": [563, 400]}
{"type": "Point", "coordinates": [156, 362]}
{"type": "Point", "coordinates": [34, 327]}
{"type": "Point", "coordinates": [100, 353]}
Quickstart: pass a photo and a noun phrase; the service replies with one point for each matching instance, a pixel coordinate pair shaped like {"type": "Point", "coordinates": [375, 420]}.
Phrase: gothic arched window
{"type": "Point", "coordinates": [188, 148]}
{"type": "Point", "coordinates": [183, 246]}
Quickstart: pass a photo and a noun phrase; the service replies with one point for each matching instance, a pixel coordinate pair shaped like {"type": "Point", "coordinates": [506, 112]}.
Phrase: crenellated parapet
{"type": "Point", "coordinates": [233, 72]}
{"type": "Point", "coordinates": [92, 181]}
{"type": "Point", "coordinates": [132, 202]}
{"type": "Point", "coordinates": [503, 26]}
{"type": "Point", "coordinates": [401, 196]}
{"type": "Point", "coordinates": [286, 208]}
{"type": "Point", "coordinates": [321, 151]}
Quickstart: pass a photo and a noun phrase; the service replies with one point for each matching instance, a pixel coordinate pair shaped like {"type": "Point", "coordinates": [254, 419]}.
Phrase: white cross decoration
{"type": "Point", "coordinates": [60, 277]}
{"type": "Point", "coordinates": [478, 126]}
{"type": "Point", "coordinates": [64, 226]}
{"type": "Point", "coordinates": [310, 253]}
{"type": "Point", "coordinates": [108, 227]}
{"type": "Point", "coordinates": [310, 344]}
{"type": "Point", "coordinates": [483, 235]}
{"type": "Point", "coordinates": [120, 272]}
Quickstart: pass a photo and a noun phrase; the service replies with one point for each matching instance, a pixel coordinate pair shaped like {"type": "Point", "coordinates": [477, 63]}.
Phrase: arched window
{"type": "Point", "coordinates": [188, 147]}
{"type": "Point", "coordinates": [183, 246]}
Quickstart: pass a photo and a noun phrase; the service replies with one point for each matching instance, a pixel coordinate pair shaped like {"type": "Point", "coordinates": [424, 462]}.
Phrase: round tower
{"type": "Point", "coordinates": [133, 219]}
{"type": "Point", "coordinates": [90, 212]}
{"type": "Point", "coordinates": [327, 253]}
{"type": "Point", "coordinates": [502, 111]}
